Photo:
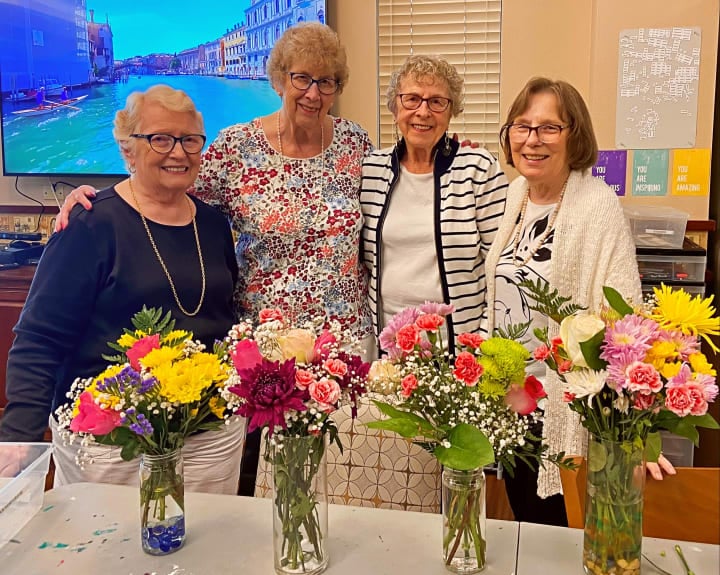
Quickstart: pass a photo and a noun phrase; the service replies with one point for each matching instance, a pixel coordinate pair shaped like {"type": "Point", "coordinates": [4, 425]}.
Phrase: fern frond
{"type": "Point", "coordinates": [151, 321]}
{"type": "Point", "coordinates": [548, 301]}
{"type": "Point", "coordinates": [516, 332]}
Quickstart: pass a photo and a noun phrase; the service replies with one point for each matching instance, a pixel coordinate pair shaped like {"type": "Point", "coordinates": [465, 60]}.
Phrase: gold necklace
{"type": "Point", "coordinates": [541, 240]}
{"type": "Point", "coordinates": [162, 263]}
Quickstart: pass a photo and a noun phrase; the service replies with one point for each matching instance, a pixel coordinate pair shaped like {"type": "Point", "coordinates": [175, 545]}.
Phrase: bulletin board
{"type": "Point", "coordinates": [671, 175]}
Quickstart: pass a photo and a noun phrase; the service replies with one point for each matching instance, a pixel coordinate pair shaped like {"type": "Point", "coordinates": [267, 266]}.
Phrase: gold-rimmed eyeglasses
{"type": "Point", "coordinates": [164, 143]}
{"type": "Point", "coordinates": [546, 133]}
{"type": "Point", "coordinates": [326, 86]}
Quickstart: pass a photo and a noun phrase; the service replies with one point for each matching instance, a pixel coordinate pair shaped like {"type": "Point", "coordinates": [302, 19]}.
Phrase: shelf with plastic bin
{"type": "Point", "coordinates": [684, 265]}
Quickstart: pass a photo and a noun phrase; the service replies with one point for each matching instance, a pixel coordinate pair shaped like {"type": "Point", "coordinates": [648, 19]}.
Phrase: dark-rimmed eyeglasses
{"type": "Point", "coordinates": [546, 133]}
{"type": "Point", "coordinates": [164, 143]}
{"type": "Point", "coordinates": [326, 86]}
{"type": "Point", "coordinates": [435, 103]}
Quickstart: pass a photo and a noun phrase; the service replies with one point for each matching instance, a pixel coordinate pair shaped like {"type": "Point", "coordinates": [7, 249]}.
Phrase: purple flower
{"type": "Point", "coordinates": [626, 342]}
{"type": "Point", "coordinates": [269, 392]}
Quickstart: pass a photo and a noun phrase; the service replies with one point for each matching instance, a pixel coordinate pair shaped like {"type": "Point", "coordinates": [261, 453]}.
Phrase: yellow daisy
{"type": "Point", "coordinates": [126, 340]}
{"type": "Point", "coordinates": [160, 356]}
{"type": "Point", "coordinates": [700, 364]}
{"type": "Point", "coordinates": [217, 406]}
{"type": "Point", "coordinates": [176, 336]}
{"type": "Point", "coordinates": [676, 309]}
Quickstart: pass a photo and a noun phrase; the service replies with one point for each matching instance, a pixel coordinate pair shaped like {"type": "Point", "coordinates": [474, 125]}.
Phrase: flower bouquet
{"type": "Point", "coordinates": [161, 387]}
{"type": "Point", "coordinates": [290, 380]}
{"type": "Point", "coordinates": [628, 373]}
{"type": "Point", "coordinates": [468, 411]}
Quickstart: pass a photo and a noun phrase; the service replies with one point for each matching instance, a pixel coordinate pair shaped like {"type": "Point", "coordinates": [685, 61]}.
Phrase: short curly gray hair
{"type": "Point", "coordinates": [421, 67]}
{"type": "Point", "coordinates": [310, 42]}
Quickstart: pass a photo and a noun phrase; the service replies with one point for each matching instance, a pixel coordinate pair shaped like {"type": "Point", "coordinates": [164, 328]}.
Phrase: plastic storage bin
{"type": "Point", "coordinates": [692, 289]}
{"type": "Point", "coordinates": [21, 496]}
{"type": "Point", "coordinates": [679, 450]}
{"type": "Point", "coordinates": [657, 226]}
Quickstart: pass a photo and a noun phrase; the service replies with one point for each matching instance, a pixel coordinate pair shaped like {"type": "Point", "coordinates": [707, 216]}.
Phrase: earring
{"type": "Point", "coordinates": [398, 137]}
{"type": "Point", "coordinates": [446, 146]}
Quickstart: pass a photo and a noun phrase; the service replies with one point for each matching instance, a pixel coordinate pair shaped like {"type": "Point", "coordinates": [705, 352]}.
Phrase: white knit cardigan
{"type": "Point", "coordinates": [592, 248]}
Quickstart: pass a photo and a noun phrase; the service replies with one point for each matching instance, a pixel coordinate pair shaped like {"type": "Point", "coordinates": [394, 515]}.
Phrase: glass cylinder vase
{"type": "Point", "coordinates": [464, 524]}
{"type": "Point", "coordinates": [299, 473]}
{"type": "Point", "coordinates": [162, 503]}
{"type": "Point", "coordinates": [613, 507]}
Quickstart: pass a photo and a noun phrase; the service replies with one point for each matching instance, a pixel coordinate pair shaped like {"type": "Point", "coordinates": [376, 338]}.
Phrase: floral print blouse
{"type": "Point", "coordinates": [297, 223]}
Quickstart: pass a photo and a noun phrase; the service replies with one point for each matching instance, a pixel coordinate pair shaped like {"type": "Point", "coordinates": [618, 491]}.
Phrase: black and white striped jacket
{"type": "Point", "coordinates": [470, 190]}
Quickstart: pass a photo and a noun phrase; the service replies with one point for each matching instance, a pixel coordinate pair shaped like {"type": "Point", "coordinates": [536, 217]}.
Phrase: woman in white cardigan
{"type": "Point", "coordinates": [565, 226]}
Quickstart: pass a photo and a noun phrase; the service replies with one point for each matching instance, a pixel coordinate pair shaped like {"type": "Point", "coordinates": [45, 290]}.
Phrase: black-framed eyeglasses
{"type": "Point", "coordinates": [326, 86]}
{"type": "Point", "coordinates": [164, 143]}
{"type": "Point", "coordinates": [546, 133]}
{"type": "Point", "coordinates": [414, 101]}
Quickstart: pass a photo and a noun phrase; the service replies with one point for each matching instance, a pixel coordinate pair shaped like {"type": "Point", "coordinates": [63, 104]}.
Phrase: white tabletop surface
{"type": "Point", "coordinates": [558, 551]}
{"type": "Point", "coordinates": [88, 529]}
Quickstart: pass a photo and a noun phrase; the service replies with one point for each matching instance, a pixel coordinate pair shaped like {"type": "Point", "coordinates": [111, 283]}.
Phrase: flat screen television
{"type": "Point", "coordinates": [66, 67]}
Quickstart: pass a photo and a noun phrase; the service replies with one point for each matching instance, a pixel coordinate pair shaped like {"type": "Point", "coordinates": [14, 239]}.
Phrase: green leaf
{"type": "Point", "coordinates": [469, 449]}
{"type": "Point", "coordinates": [597, 456]}
{"type": "Point", "coordinates": [616, 301]}
{"type": "Point", "coordinates": [130, 450]}
{"type": "Point", "coordinates": [707, 421]}
{"type": "Point", "coordinates": [591, 351]}
{"type": "Point", "coordinates": [402, 422]}
{"type": "Point", "coordinates": [404, 427]}
{"type": "Point", "coordinates": [653, 446]}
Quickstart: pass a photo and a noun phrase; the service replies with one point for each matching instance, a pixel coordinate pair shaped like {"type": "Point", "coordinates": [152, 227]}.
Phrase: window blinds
{"type": "Point", "coordinates": [467, 34]}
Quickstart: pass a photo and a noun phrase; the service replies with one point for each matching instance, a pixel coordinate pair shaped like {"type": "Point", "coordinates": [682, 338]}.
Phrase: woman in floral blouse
{"type": "Point", "coordinates": [289, 184]}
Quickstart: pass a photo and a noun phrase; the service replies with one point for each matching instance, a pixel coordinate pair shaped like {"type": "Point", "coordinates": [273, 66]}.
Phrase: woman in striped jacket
{"type": "Point", "coordinates": [430, 207]}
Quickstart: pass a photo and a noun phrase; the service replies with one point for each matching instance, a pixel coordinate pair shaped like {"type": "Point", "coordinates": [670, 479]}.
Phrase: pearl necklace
{"type": "Point", "coordinates": [162, 262]}
{"type": "Point", "coordinates": [540, 240]}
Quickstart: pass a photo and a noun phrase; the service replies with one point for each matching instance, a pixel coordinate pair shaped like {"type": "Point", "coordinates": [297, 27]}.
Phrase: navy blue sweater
{"type": "Point", "coordinates": [92, 278]}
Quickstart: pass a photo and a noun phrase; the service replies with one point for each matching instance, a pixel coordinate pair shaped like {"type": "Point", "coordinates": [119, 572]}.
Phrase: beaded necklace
{"type": "Point", "coordinates": [162, 262]}
{"type": "Point", "coordinates": [540, 240]}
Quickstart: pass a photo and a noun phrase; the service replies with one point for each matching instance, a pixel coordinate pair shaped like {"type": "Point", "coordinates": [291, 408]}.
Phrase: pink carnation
{"type": "Point", "coordinates": [407, 337]}
{"type": "Point", "coordinates": [303, 378]}
{"type": "Point", "coordinates": [141, 348]}
{"type": "Point", "coordinates": [429, 322]}
{"type": "Point", "coordinates": [642, 377]}
{"type": "Point", "coordinates": [643, 401]}
{"type": "Point", "coordinates": [467, 369]}
{"type": "Point", "coordinates": [267, 315]}
{"type": "Point", "coordinates": [471, 340]}
{"type": "Point", "coordinates": [408, 385]}
{"type": "Point", "coordinates": [679, 400]}
{"type": "Point", "coordinates": [442, 309]}
{"type": "Point", "coordinates": [697, 394]}
{"type": "Point", "coordinates": [399, 320]}
{"type": "Point", "coordinates": [541, 353]}
{"type": "Point", "coordinates": [335, 367]}
{"type": "Point", "coordinates": [326, 392]}
{"type": "Point", "coordinates": [91, 418]}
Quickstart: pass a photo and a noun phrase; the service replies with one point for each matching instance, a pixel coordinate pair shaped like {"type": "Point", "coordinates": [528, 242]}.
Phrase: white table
{"type": "Point", "coordinates": [93, 529]}
{"type": "Point", "coordinates": [558, 550]}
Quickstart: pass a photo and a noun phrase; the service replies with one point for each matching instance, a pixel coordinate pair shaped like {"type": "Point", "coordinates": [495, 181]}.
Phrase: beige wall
{"type": "Point", "coordinates": [575, 40]}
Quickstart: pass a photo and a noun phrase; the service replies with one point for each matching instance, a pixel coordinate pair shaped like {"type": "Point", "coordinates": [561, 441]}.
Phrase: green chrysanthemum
{"type": "Point", "coordinates": [503, 361]}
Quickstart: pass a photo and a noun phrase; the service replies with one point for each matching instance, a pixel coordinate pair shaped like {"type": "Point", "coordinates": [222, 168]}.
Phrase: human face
{"type": "Point", "coordinates": [541, 164]}
{"type": "Point", "coordinates": [422, 128]}
{"type": "Point", "coordinates": [306, 108]}
{"type": "Point", "coordinates": [175, 171]}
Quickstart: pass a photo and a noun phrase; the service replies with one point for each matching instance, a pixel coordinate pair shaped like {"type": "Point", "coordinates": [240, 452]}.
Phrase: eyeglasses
{"type": "Point", "coordinates": [165, 143]}
{"type": "Point", "coordinates": [326, 86]}
{"type": "Point", "coordinates": [546, 133]}
{"type": "Point", "coordinates": [435, 103]}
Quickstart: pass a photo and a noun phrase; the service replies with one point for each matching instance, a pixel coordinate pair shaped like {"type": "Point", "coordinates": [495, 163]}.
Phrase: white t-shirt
{"type": "Point", "coordinates": [511, 303]}
{"type": "Point", "coordinates": [410, 272]}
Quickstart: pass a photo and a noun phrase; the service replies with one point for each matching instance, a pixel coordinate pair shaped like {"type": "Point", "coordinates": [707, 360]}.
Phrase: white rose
{"type": "Point", "coordinates": [576, 329]}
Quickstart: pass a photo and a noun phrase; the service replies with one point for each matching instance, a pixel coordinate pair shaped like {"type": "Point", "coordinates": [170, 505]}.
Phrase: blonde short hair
{"type": "Point", "coordinates": [308, 42]}
{"type": "Point", "coordinates": [126, 120]}
{"type": "Point", "coordinates": [422, 67]}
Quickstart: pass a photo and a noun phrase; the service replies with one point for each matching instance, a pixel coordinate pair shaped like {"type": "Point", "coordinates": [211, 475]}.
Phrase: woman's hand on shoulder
{"type": "Point", "coordinates": [80, 196]}
{"type": "Point", "coordinates": [466, 143]}
{"type": "Point", "coordinates": [658, 470]}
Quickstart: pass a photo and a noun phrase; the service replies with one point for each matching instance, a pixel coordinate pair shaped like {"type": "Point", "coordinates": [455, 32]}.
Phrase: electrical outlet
{"type": "Point", "coordinates": [59, 195]}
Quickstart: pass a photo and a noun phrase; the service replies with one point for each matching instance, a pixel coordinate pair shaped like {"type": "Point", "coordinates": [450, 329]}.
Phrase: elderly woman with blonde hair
{"type": "Point", "coordinates": [145, 243]}
{"type": "Point", "coordinates": [431, 207]}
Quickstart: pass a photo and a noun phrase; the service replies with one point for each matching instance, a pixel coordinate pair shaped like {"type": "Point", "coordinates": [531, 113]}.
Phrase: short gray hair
{"type": "Point", "coordinates": [422, 66]}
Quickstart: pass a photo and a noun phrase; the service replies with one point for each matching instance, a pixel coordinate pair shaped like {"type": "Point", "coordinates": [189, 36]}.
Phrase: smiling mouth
{"type": "Point", "coordinates": [176, 169]}
{"type": "Point", "coordinates": [535, 157]}
{"type": "Point", "coordinates": [420, 127]}
{"type": "Point", "coordinates": [309, 108]}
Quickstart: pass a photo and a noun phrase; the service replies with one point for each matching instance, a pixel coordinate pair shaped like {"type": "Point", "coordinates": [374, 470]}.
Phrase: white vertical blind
{"type": "Point", "coordinates": [467, 34]}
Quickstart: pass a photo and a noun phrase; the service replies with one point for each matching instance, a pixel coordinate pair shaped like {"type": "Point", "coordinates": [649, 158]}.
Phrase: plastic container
{"type": "Point", "coordinates": [692, 289]}
{"type": "Point", "coordinates": [672, 268]}
{"type": "Point", "coordinates": [657, 226]}
{"type": "Point", "coordinates": [679, 450]}
{"type": "Point", "coordinates": [21, 496]}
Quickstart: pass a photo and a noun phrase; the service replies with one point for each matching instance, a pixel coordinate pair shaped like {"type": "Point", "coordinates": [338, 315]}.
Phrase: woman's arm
{"type": "Point", "coordinates": [80, 196]}
{"type": "Point", "coordinates": [56, 312]}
